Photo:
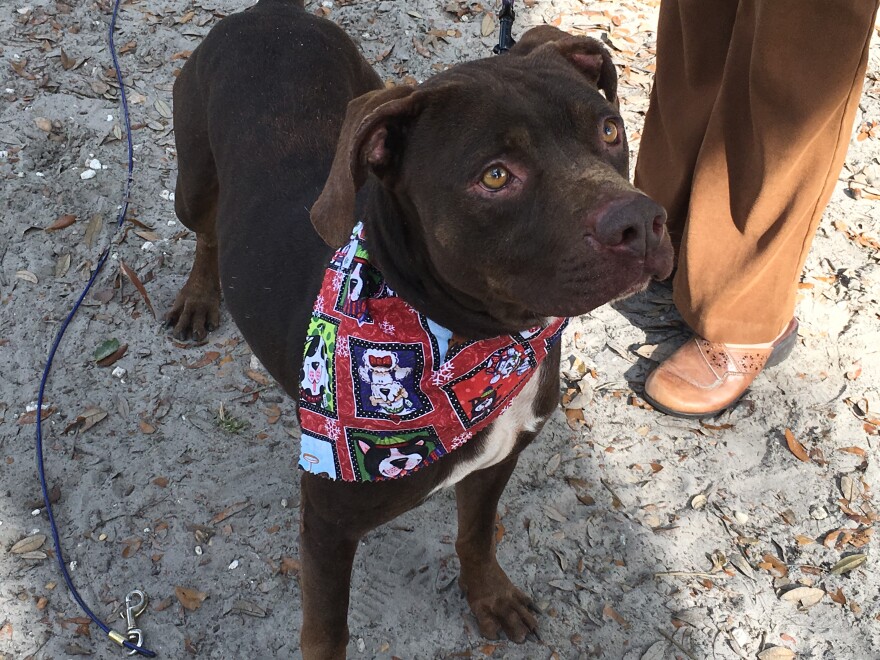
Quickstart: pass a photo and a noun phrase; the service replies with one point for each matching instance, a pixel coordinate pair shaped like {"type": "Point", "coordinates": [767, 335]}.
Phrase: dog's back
{"type": "Point", "coordinates": [276, 80]}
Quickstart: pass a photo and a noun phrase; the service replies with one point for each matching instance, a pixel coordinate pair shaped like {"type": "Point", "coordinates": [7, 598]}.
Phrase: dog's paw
{"type": "Point", "coordinates": [498, 605]}
{"type": "Point", "coordinates": [195, 312]}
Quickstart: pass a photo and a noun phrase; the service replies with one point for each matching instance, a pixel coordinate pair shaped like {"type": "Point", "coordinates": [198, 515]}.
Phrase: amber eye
{"type": "Point", "coordinates": [610, 132]}
{"type": "Point", "coordinates": [495, 178]}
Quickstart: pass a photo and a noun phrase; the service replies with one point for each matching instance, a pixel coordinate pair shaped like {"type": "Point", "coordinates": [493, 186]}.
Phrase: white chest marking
{"type": "Point", "coordinates": [502, 433]}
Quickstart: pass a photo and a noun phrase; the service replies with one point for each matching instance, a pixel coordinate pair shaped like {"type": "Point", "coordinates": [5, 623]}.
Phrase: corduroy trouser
{"type": "Point", "coordinates": [750, 117]}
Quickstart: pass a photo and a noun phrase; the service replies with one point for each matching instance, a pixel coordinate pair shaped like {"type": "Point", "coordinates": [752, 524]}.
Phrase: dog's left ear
{"type": "Point", "coordinates": [361, 146]}
{"type": "Point", "coordinates": [587, 55]}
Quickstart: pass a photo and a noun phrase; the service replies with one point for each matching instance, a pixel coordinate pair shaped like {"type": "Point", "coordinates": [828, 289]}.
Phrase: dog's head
{"type": "Point", "coordinates": [502, 188]}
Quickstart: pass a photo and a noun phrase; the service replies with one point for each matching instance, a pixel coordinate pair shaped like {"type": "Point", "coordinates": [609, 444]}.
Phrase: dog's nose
{"type": "Point", "coordinates": [635, 225]}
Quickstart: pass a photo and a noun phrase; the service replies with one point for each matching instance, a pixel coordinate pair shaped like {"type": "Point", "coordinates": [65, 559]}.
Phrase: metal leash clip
{"type": "Point", "coordinates": [135, 604]}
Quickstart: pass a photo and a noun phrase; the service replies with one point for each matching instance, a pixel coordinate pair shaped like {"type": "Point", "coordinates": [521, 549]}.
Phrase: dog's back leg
{"type": "Point", "coordinates": [494, 600]}
{"type": "Point", "coordinates": [196, 309]}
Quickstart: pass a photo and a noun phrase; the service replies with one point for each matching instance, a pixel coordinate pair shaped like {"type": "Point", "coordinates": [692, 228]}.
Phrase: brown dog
{"type": "Point", "coordinates": [494, 196]}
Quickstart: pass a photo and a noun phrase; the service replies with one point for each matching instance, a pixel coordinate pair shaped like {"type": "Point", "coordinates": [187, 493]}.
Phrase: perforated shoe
{"type": "Point", "coordinates": [703, 378]}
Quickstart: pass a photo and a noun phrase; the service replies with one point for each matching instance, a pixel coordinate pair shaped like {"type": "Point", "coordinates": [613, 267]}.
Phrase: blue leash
{"type": "Point", "coordinates": [133, 633]}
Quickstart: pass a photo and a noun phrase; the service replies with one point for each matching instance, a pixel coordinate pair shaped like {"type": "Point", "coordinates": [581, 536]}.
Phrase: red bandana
{"type": "Point", "coordinates": [384, 390]}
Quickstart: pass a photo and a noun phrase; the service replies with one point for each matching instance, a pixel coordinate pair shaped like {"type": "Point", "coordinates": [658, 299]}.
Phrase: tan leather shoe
{"type": "Point", "coordinates": [702, 378]}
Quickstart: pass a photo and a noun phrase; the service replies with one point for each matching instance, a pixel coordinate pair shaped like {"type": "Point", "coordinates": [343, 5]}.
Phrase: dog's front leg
{"type": "Point", "coordinates": [327, 551]}
{"type": "Point", "coordinates": [494, 600]}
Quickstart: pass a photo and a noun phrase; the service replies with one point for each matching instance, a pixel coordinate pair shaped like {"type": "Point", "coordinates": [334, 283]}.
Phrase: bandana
{"type": "Point", "coordinates": [385, 391]}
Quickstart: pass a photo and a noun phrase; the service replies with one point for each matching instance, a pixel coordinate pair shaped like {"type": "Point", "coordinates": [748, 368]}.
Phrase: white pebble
{"type": "Point", "coordinates": [4, 154]}
{"type": "Point", "coordinates": [284, 502]}
{"type": "Point", "coordinates": [119, 372]}
{"type": "Point", "coordinates": [35, 530]}
{"type": "Point", "coordinates": [148, 246]}
{"type": "Point", "coordinates": [741, 518]}
{"type": "Point", "coordinates": [255, 364]}
{"type": "Point", "coordinates": [38, 174]}
{"type": "Point", "coordinates": [198, 551]}
{"type": "Point", "coordinates": [172, 223]}
{"type": "Point", "coordinates": [233, 565]}
{"type": "Point", "coordinates": [165, 194]}
{"type": "Point", "coordinates": [24, 10]}
{"type": "Point", "coordinates": [87, 174]}
{"type": "Point", "coordinates": [9, 90]}
{"type": "Point", "coordinates": [94, 163]}
{"type": "Point", "coordinates": [362, 646]}
{"type": "Point", "coordinates": [109, 117]}
{"type": "Point", "coordinates": [35, 512]}
{"type": "Point", "coordinates": [72, 565]}
{"type": "Point", "coordinates": [146, 530]}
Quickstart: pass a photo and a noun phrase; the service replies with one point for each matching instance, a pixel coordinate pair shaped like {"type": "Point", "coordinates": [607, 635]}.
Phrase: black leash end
{"type": "Point", "coordinates": [506, 16]}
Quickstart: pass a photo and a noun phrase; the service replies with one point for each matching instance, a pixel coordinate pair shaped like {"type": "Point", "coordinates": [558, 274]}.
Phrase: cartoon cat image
{"type": "Point", "coordinates": [482, 405]}
{"type": "Point", "coordinates": [392, 460]}
{"type": "Point", "coordinates": [314, 381]}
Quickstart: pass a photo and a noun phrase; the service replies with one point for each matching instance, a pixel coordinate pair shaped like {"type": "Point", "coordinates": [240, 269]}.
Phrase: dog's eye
{"type": "Point", "coordinates": [610, 132]}
{"type": "Point", "coordinates": [495, 178]}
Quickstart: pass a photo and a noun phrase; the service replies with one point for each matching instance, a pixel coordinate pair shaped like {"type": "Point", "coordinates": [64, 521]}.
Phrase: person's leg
{"type": "Point", "coordinates": [773, 148]}
{"type": "Point", "coordinates": [693, 37]}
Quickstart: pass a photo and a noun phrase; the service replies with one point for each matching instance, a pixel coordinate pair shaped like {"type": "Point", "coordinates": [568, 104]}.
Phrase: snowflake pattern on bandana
{"type": "Point", "coordinates": [385, 391]}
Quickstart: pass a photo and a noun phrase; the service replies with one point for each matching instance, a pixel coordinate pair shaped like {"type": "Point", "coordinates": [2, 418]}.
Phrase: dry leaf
{"type": "Point", "coordinates": [43, 124]}
{"type": "Point", "coordinates": [162, 108]}
{"type": "Point", "coordinates": [848, 488]}
{"type": "Point", "coordinates": [28, 544]}
{"type": "Point", "coordinates": [257, 377]}
{"type": "Point", "coordinates": [773, 565]}
{"type": "Point", "coordinates": [67, 62]}
{"type": "Point", "coordinates": [837, 596]}
{"type": "Point", "coordinates": [131, 275]}
{"type": "Point", "coordinates": [805, 597]}
{"type": "Point", "coordinates": [612, 614]}
{"type": "Point", "coordinates": [796, 447]}
{"type": "Point", "coordinates": [207, 358]}
{"type": "Point", "coordinates": [776, 653]}
{"type": "Point", "coordinates": [487, 26]}
{"type": "Point", "coordinates": [63, 221]}
{"type": "Point", "coordinates": [131, 547]}
{"type": "Point", "coordinates": [26, 275]}
{"type": "Point", "coordinates": [230, 511]}
{"type": "Point", "coordinates": [113, 357]}
{"type": "Point", "coordinates": [92, 230]}
{"type": "Point", "coordinates": [62, 265]}
{"type": "Point", "coordinates": [857, 451]}
{"type": "Point", "coordinates": [86, 420]}
{"type": "Point", "coordinates": [161, 482]}
{"type": "Point", "coordinates": [848, 564]}
{"type": "Point", "coordinates": [191, 599]}
{"type": "Point", "coordinates": [105, 349]}
{"type": "Point", "coordinates": [146, 427]}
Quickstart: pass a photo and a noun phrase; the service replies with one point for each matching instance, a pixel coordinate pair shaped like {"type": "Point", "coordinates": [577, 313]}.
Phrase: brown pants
{"type": "Point", "coordinates": [750, 117]}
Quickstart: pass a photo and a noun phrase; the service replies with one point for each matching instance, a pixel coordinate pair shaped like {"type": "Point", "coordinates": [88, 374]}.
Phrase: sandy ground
{"type": "Point", "coordinates": [639, 536]}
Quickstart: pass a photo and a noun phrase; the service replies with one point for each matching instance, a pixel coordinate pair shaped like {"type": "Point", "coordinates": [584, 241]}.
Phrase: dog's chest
{"type": "Point", "coordinates": [503, 433]}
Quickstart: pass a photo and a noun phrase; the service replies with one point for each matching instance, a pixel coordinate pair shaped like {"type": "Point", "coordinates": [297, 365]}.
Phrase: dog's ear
{"type": "Point", "coordinates": [588, 55]}
{"type": "Point", "coordinates": [361, 145]}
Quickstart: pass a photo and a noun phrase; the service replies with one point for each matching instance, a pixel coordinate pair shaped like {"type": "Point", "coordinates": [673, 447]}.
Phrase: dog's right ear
{"type": "Point", "coordinates": [361, 145]}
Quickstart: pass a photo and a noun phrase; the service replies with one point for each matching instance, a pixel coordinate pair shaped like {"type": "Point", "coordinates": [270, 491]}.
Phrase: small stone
{"type": "Point", "coordinates": [198, 551]}
{"type": "Point", "coordinates": [284, 502]}
{"type": "Point", "coordinates": [234, 565]}
{"type": "Point", "coordinates": [94, 164]}
{"type": "Point", "coordinates": [87, 174]}
{"type": "Point", "coordinates": [35, 512]}
{"type": "Point", "coordinates": [362, 646]}
{"type": "Point", "coordinates": [119, 372]}
{"type": "Point", "coordinates": [102, 537]}
{"type": "Point", "coordinates": [818, 512]}
{"type": "Point", "coordinates": [148, 246]}
{"type": "Point", "coordinates": [741, 517]}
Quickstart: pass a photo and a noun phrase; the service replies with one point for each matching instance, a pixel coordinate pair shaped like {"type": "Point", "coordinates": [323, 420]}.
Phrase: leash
{"type": "Point", "coordinates": [506, 16]}
{"type": "Point", "coordinates": [136, 601]}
